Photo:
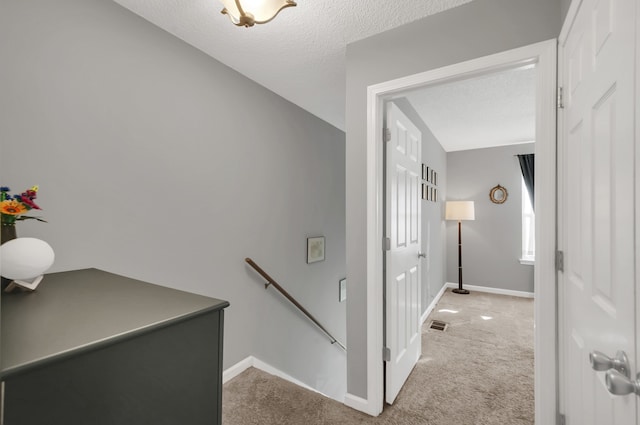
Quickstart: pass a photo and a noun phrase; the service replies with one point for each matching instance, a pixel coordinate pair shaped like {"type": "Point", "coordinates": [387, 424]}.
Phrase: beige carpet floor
{"type": "Point", "coordinates": [477, 372]}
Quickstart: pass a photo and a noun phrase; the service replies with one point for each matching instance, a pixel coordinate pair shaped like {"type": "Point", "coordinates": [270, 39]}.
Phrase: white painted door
{"type": "Point", "coordinates": [597, 216]}
{"type": "Point", "coordinates": [402, 227]}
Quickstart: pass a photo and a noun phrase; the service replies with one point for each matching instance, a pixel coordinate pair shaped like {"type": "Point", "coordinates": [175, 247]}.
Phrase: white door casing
{"type": "Point", "coordinates": [544, 54]}
{"type": "Point", "coordinates": [597, 218]}
{"type": "Point", "coordinates": [402, 228]}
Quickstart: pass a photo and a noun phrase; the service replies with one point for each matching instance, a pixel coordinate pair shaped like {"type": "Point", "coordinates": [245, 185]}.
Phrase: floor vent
{"type": "Point", "coordinates": [438, 325]}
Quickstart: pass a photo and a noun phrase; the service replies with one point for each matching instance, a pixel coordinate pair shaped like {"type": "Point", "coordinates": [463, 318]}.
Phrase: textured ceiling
{"type": "Point", "coordinates": [492, 110]}
{"type": "Point", "coordinates": [300, 55]}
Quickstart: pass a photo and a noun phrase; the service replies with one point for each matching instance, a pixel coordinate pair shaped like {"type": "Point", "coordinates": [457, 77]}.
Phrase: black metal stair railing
{"type": "Point", "coordinates": [275, 284]}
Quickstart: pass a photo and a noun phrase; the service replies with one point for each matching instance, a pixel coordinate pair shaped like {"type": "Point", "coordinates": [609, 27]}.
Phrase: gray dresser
{"type": "Point", "coordinates": [94, 348]}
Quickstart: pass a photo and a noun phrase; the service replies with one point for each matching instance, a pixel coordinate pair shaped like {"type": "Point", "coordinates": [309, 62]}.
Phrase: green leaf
{"type": "Point", "coordinates": [28, 217]}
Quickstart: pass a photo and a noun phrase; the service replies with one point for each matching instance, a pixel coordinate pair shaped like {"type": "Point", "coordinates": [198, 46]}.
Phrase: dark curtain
{"type": "Point", "coordinates": [526, 165]}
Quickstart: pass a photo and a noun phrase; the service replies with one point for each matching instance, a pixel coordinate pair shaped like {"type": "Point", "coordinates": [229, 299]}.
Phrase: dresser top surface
{"type": "Point", "coordinates": [83, 309]}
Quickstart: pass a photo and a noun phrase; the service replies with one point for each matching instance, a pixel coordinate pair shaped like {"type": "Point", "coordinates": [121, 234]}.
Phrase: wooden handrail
{"type": "Point", "coordinates": [270, 281]}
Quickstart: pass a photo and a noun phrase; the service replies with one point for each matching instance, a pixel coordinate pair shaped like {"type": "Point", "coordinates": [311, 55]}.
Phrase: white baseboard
{"type": "Point", "coordinates": [489, 290]}
{"type": "Point", "coordinates": [251, 361]}
{"type": "Point", "coordinates": [361, 405]}
{"type": "Point", "coordinates": [237, 369]}
{"type": "Point", "coordinates": [429, 309]}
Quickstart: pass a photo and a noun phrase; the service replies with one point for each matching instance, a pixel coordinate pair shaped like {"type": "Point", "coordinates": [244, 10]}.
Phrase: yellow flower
{"type": "Point", "coordinates": [12, 208]}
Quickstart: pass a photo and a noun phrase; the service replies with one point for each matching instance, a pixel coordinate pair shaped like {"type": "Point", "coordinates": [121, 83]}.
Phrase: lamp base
{"type": "Point", "coordinates": [24, 284]}
{"type": "Point", "coordinates": [459, 291]}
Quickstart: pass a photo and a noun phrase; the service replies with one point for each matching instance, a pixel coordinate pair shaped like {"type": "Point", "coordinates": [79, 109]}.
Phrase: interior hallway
{"type": "Point", "coordinates": [477, 372]}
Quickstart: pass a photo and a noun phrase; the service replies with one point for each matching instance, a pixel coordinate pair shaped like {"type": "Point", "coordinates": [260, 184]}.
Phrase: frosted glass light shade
{"type": "Point", "coordinates": [460, 210]}
{"type": "Point", "coordinates": [25, 258]}
{"type": "Point", "coordinates": [246, 13]}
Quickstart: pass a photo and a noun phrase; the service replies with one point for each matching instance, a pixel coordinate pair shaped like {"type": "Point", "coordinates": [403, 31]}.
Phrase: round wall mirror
{"type": "Point", "coordinates": [498, 195]}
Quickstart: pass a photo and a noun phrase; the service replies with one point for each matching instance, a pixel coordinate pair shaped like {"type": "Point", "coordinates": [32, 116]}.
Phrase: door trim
{"type": "Point", "coordinates": [637, 194]}
{"type": "Point", "coordinates": [544, 55]}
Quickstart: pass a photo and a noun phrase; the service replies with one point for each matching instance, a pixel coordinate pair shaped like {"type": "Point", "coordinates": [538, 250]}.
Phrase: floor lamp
{"type": "Point", "coordinates": [460, 210]}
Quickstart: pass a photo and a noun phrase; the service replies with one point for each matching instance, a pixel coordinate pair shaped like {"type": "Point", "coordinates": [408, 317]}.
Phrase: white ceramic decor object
{"type": "Point", "coordinates": [24, 260]}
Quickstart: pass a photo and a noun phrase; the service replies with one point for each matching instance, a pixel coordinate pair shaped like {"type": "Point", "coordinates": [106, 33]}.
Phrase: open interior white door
{"type": "Point", "coordinates": [598, 220]}
{"type": "Point", "coordinates": [402, 260]}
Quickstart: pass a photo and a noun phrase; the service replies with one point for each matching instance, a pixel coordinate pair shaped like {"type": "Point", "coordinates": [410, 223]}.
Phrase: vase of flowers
{"type": "Point", "coordinates": [14, 208]}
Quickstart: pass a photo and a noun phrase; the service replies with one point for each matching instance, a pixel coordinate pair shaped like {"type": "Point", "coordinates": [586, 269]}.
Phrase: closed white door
{"type": "Point", "coordinates": [402, 228]}
{"type": "Point", "coordinates": [598, 218]}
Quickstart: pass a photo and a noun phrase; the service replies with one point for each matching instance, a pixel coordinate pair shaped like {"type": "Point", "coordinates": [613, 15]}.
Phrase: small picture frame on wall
{"type": "Point", "coordinates": [435, 178]}
{"type": "Point", "coordinates": [427, 176]}
{"type": "Point", "coordinates": [435, 195]}
{"type": "Point", "coordinates": [424, 172]}
{"type": "Point", "coordinates": [425, 192]}
{"type": "Point", "coordinates": [315, 249]}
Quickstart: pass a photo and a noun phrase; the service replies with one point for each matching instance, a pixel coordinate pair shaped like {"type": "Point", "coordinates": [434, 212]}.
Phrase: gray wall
{"type": "Point", "coordinates": [157, 162]}
{"type": "Point", "coordinates": [564, 5]}
{"type": "Point", "coordinates": [476, 29]}
{"type": "Point", "coordinates": [492, 243]}
{"type": "Point", "coordinates": [433, 223]}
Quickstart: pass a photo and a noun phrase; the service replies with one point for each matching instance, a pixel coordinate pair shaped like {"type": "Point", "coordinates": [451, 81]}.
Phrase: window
{"type": "Point", "coordinates": [528, 229]}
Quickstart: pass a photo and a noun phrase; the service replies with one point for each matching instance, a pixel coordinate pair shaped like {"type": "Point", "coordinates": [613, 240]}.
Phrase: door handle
{"type": "Point", "coordinates": [601, 362]}
{"type": "Point", "coordinates": [618, 384]}
{"type": "Point", "coordinates": [422, 255]}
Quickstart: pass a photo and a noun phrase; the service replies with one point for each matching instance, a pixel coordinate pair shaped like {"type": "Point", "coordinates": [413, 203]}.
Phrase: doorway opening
{"type": "Point", "coordinates": [543, 55]}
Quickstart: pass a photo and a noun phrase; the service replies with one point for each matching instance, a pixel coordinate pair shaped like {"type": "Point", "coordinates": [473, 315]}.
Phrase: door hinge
{"type": "Point", "coordinates": [386, 244]}
{"type": "Point", "coordinates": [559, 261]}
{"type": "Point", "coordinates": [562, 420]}
{"type": "Point", "coordinates": [386, 354]}
{"type": "Point", "coordinates": [387, 135]}
{"type": "Point", "coordinates": [560, 98]}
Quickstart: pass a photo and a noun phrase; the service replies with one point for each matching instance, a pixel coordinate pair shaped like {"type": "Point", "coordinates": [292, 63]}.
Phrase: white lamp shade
{"type": "Point", "coordinates": [25, 258]}
{"type": "Point", "coordinates": [460, 210]}
{"type": "Point", "coordinates": [261, 10]}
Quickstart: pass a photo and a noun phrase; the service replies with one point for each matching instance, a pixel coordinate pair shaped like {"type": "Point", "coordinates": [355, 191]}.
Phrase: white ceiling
{"type": "Point", "coordinates": [300, 55]}
{"type": "Point", "coordinates": [491, 110]}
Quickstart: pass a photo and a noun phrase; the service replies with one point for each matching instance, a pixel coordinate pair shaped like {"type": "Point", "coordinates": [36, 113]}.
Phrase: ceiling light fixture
{"type": "Point", "coordinates": [246, 13]}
